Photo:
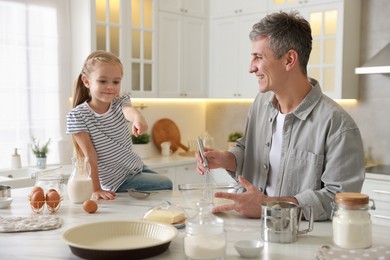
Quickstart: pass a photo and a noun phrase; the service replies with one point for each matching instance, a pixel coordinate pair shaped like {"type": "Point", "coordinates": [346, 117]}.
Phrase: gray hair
{"type": "Point", "coordinates": [286, 31]}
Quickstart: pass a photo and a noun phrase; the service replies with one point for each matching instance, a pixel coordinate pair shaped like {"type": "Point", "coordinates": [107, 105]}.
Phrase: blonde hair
{"type": "Point", "coordinates": [82, 93]}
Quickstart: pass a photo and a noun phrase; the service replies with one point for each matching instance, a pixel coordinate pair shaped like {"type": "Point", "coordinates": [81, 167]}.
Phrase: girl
{"type": "Point", "coordinates": [98, 123]}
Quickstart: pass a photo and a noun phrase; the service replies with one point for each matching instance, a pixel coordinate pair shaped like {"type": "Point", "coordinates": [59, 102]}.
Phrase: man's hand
{"type": "Point", "coordinates": [247, 203]}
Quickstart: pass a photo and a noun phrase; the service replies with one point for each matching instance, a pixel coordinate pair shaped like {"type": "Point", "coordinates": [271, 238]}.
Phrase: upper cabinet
{"type": "Point", "coordinates": [231, 22]}
{"type": "Point", "coordinates": [127, 29]}
{"type": "Point", "coordinates": [182, 48]}
{"type": "Point", "coordinates": [336, 35]}
{"type": "Point", "coordinates": [276, 5]}
{"type": "Point", "coordinates": [197, 8]}
{"type": "Point", "coordinates": [224, 8]}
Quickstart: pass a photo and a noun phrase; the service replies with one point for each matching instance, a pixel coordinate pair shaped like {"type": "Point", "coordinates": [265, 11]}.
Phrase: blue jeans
{"type": "Point", "coordinates": [146, 180]}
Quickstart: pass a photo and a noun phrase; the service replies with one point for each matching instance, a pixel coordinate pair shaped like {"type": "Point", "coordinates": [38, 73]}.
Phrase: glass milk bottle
{"type": "Point", "coordinates": [205, 235]}
{"type": "Point", "coordinates": [351, 220]}
{"type": "Point", "coordinates": [80, 183]}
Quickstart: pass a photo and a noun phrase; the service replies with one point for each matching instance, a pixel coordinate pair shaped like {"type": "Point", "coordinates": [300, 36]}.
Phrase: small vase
{"type": "Point", "coordinates": [41, 162]}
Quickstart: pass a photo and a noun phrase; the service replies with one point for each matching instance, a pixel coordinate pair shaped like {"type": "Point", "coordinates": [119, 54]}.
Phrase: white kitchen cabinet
{"type": "Point", "coordinates": [196, 8]}
{"type": "Point", "coordinates": [182, 52]}
{"type": "Point", "coordinates": [336, 35]}
{"type": "Point", "coordinates": [276, 5]}
{"type": "Point", "coordinates": [168, 171]}
{"type": "Point", "coordinates": [227, 8]}
{"type": "Point", "coordinates": [230, 57]}
{"type": "Point", "coordinates": [188, 174]}
{"type": "Point", "coordinates": [378, 190]}
{"type": "Point", "coordinates": [181, 174]}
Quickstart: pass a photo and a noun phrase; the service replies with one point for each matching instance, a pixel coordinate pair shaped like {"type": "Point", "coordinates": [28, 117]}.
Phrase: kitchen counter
{"type": "Point", "coordinates": [378, 172]}
{"type": "Point", "coordinates": [19, 178]}
{"type": "Point", "coordinates": [168, 161]}
{"type": "Point", "coordinates": [49, 244]}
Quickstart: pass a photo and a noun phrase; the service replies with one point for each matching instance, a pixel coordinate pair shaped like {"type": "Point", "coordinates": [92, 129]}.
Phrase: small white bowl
{"type": "Point", "coordinates": [249, 248]}
{"type": "Point", "coordinates": [5, 202]}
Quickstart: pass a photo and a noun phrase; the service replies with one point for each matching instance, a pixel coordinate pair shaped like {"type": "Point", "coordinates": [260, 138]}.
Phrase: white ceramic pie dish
{"type": "Point", "coordinates": [119, 239]}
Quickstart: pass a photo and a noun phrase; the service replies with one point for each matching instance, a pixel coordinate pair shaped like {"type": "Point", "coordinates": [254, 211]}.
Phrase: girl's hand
{"type": "Point", "coordinates": [103, 194]}
{"type": "Point", "coordinates": [139, 126]}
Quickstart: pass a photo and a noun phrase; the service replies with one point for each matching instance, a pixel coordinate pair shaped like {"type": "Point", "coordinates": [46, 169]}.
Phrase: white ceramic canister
{"type": "Point", "coordinates": [351, 220]}
{"type": "Point", "coordinates": [166, 149]}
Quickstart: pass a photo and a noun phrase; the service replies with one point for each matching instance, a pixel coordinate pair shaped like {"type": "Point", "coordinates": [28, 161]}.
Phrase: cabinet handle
{"type": "Point", "coordinates": [382, 192]}
{"type": "Point", "coordinates": [381, 216]}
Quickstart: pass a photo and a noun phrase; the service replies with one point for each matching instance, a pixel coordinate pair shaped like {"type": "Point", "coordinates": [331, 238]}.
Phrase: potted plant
{"type": "Point", "coordinates": [141, 145]}
{"type": "Point", "coordinates": [40, 152]}
{"type": "Point", "coordinates": [140, 139]}
{"type": "Point", "coordinates": [232, 138]}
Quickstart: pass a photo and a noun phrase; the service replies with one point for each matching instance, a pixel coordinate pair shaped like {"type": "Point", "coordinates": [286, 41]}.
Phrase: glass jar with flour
{"type": "Point", "coordinates": [351, 220]}
{"type": "Point", "coordinates": [205, 235]}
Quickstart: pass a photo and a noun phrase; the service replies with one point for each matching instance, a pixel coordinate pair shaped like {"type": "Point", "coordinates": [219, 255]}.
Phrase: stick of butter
{"type": "Point", "coordinates": [165, 216]}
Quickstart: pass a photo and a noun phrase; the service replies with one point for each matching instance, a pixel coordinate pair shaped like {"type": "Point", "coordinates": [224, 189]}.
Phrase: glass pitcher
{"type": "Point", "coordinates": [80, 183]}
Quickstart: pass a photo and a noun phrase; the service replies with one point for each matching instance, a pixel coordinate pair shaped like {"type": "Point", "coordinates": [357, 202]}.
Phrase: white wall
{"type": "Point", "coordinates": [373, 110]}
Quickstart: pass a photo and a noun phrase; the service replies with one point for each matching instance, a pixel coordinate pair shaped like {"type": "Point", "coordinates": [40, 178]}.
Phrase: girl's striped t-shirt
{"type": "Point", "coordinates": [111, 137]}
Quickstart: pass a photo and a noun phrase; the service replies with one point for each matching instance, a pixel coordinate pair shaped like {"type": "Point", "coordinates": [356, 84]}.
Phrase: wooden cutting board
{"type": "Point", "coordinates": [165, 130]}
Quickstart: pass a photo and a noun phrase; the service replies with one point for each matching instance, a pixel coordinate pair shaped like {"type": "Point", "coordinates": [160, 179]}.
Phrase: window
{"type": "Point", "coordinates": [34, 77]}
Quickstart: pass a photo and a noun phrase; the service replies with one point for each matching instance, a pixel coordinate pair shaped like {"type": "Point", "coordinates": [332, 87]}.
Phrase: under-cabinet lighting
{"type": "Point", "coordinates": [216, 100]}
{"type": "Point", "coordinates": [168, 100]}
{"type": "Point", "coordinates": [349, 102]}
{"type": "Point", "coordinates": [191, 100]}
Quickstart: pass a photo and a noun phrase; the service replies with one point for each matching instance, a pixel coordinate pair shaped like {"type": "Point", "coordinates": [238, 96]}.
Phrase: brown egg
{"type": "Point", "coordinates": [37, 199]}
{"type": "Point", "coordinates": [53, 198]}
{"type": "Point", "coordinates": [90, 206]}
{"type": "Point", "coordinates": [36, 188]}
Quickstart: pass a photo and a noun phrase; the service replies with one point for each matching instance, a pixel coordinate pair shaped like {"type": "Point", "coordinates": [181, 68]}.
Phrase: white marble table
{"type": "Point", "coordinates": [49, 244]}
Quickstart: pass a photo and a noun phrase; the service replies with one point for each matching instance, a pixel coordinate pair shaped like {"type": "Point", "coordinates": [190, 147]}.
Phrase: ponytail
{"type": "Point", "coordinates": [82, 93]}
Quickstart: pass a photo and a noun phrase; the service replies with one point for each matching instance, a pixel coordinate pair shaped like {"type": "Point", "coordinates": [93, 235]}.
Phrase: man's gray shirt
{"type": "Point", "coordinates": [322, 151]}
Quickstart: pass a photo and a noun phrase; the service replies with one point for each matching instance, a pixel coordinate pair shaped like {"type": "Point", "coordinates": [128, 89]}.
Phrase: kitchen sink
{"type": "Point", "coordinates": [25, 177]}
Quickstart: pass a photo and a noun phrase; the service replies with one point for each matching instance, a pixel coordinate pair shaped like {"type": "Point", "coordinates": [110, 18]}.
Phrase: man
{"type": "Point", "coordinates": [299, 145]}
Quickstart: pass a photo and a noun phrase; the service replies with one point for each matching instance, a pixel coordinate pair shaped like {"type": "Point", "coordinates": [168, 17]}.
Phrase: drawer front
{"type": "Point", "coordinates": [168, 172]}
{"type": "Point", "coordinates": [382, 220]}
{"type": "Point", "coordinates": [188, 174]}
{"type": "Point", "coordinates": [379, 191]}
